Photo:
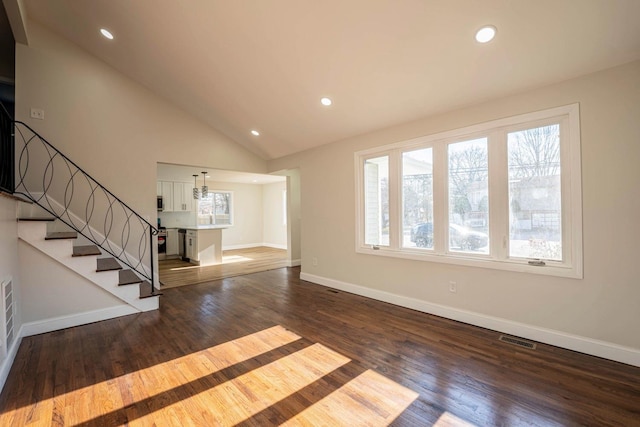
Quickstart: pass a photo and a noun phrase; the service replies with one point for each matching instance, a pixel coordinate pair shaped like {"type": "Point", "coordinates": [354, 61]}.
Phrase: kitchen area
{"type": "Point", "coordinates": [191, 219]}
{"type": "Point", "coordinates": [203, 212]}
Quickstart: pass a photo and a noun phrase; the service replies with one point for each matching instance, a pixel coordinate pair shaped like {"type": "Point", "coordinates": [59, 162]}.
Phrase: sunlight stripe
{"type": "Point", "coordinates": [244, 396]}
{"type": "Point", "coordinates": [370, 399]}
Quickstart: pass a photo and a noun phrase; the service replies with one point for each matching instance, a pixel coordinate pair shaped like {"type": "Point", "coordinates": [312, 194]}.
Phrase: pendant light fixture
{"type": "Point", "coordinates": [196, 190]}
{"type": "Point", "coordinates": [205, 189]}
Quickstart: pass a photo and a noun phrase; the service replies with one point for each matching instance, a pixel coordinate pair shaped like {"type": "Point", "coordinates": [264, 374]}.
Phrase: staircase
{"type": "Point", "coordinates": [88, 261]}
{"type": "Point", "coordinates": [77, 221]}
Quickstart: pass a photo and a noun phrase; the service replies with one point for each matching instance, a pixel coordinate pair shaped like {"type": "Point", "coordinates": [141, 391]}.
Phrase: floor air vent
{"type": "Point", "coordinates": [517, 341]}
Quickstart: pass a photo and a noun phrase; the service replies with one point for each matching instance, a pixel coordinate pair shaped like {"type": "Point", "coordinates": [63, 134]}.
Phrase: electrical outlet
{"type": "Point", "coordinates": [37, 113]}
{"type": "Point", "coordinates": [314, 261]}
{"type": "Point", "coordinates": [453, 286]}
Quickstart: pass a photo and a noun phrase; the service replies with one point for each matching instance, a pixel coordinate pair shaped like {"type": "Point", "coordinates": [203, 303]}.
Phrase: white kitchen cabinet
{"type": "Point", "coordinates": [204, 245]}
{"type": "Point", "coordinates": [190, 202]}
{"type": "Point", "coordinates": [172, 241]}
{"type": "Point", "coordinates": [166, 191]}
{"type": "Point", "coordinates": [182, 197]}
{"type": "Point", "coordinates": [192, 245]}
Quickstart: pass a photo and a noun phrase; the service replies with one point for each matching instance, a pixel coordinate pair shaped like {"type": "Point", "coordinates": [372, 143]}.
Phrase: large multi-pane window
{"type": "Point", "coordinates": [376, 201]}
{"type": "Point", "coordinates": [504, 194]}
{"type": "Point", "coordinates": [535, 208]}
{"type": "Point", "coordinates": [417, 198]}
{"type": "Point", "coordinates": [468, 180]}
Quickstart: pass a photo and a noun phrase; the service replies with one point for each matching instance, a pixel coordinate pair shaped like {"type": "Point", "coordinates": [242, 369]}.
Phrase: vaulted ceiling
{"type": "Point", "coordinates": [265, 64]}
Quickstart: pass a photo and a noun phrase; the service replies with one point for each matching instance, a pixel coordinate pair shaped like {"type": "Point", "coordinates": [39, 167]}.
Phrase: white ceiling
{"type": "Point", "coordinates": [264, 64]}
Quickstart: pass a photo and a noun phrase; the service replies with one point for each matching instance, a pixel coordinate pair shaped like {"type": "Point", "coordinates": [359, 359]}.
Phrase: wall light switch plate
{"type": "Point", "coordinates": [37, 113]}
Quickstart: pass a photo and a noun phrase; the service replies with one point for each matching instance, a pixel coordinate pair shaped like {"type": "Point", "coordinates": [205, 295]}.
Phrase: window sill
{"type": "Point", "coordinates": [479, 261]}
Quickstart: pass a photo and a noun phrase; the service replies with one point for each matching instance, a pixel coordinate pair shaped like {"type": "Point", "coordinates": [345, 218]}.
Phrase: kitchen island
{"type": "Point", "coordinates": [204, 244]}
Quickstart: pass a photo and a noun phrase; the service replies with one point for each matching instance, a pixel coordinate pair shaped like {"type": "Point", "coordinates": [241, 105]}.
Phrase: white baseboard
{"type": "Point", "coordinates": [253, 245]}
{"type": "Point", "coordinates": [243, 246]}
{"type": "Point", "coordinates": [62, 322]}
{"type": "Point", "coordinates": [606, 350]}
{"type": "Point", "coordinates": [275, 246]}
{"type": "Point", "coordinates": [294, 263]}
{"type": "Point", "coordinates": [7, 363]}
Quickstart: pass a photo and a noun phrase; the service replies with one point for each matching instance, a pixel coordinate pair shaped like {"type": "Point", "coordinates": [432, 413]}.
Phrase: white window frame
{"type": "Point", "coordinates": [213, 219]}
{"type": "Point", "coordinates": [498, 258]}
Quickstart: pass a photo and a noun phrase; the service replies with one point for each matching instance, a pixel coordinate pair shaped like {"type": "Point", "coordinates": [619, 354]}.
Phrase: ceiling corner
{"type": "Point", "coordinates": [17, 14]}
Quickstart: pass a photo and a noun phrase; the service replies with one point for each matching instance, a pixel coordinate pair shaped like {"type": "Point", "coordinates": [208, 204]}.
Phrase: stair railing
{"type": "Point", "coordinates": [54, 182]}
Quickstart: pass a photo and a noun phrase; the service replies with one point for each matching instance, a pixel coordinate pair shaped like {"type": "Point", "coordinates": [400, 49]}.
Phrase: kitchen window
{"type": "Point", "coordinates": [505, 194]}
{"type": "Point", "coordinates": [216, 208]}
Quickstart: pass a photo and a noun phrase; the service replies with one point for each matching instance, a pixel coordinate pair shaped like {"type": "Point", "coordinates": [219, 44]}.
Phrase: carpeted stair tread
{"type": "Point", "coordinates": [108, 264]}
{"type": "Point", "coordinates": [59, 235]}
{"type": "Point", "coordinates": [87, 250]}
{"type": "Point", "coordinates": [147, 291]}
{"type": "Point", "coordinates": [128, 277]}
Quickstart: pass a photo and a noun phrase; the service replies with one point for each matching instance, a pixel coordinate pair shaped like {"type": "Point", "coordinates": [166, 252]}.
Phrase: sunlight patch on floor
{"type": "Point", "coordinates": [235, 258]}
{"type": "Point", "coordinates": [449, 420]}
{"type": "Point", "coordinates": [240, 398]}
{"type": "Point", "coordinates": [231, 259]}
{"type": "Point", "coordinates": [370, 399]}
{"type": "Point", "coordinates": [189, 267]}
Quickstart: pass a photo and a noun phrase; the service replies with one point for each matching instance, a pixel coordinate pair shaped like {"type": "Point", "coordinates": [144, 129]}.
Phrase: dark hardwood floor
{"type": "Point", "coordinates": [267, 348]}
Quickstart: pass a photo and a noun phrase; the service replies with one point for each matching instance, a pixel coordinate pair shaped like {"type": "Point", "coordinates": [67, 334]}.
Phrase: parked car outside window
{"type": "Point", "coordinates": [422, 235]}
{"type": "Point", "coordinates": [460, 237]}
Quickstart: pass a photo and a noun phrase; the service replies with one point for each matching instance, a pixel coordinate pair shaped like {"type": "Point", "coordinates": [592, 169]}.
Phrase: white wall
{"type": "Point", "coordinates": [9, 241]}
{"type": "Point", "coordinates": [599, 313]}
{"type": "Point", "coordinates": [9, 270]}
{"type": "Point", "coordinates": [274, 229]}
{"type": "Point", "coordinates": [294, 216]}
{"type": "Point", "coordinates": [246, 230]}
{"type": "Point", "coordinates": [114, 128]}
{"type": "Point", "coordinates": [50, 290]}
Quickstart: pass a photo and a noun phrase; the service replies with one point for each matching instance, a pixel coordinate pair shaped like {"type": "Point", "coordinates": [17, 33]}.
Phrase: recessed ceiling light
{"type": "Point", "coordinates": [486, 34]}
{"type": "Point", "coordinates": [255, 133]}
{"type": "Point", "coordinates": [326, 102]}
{"type": "Point", "coordinates": [106, 33]}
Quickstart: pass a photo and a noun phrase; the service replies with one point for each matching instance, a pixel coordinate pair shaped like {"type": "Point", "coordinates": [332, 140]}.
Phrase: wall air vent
{"type": "Point", "coordinates": [6, 316]}
{"type": "Point", "coordinates": [517, 341]}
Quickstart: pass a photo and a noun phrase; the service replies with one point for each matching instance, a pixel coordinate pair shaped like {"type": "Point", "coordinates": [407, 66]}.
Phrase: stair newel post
{"type": "Point", "coordinates": [153, 282]}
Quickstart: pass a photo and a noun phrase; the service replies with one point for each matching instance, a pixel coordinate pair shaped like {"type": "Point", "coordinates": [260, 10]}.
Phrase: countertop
{"type": "Point", "coordinates": [206, 227]}
{"type": "Point", "coordinates": [198, 227]}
